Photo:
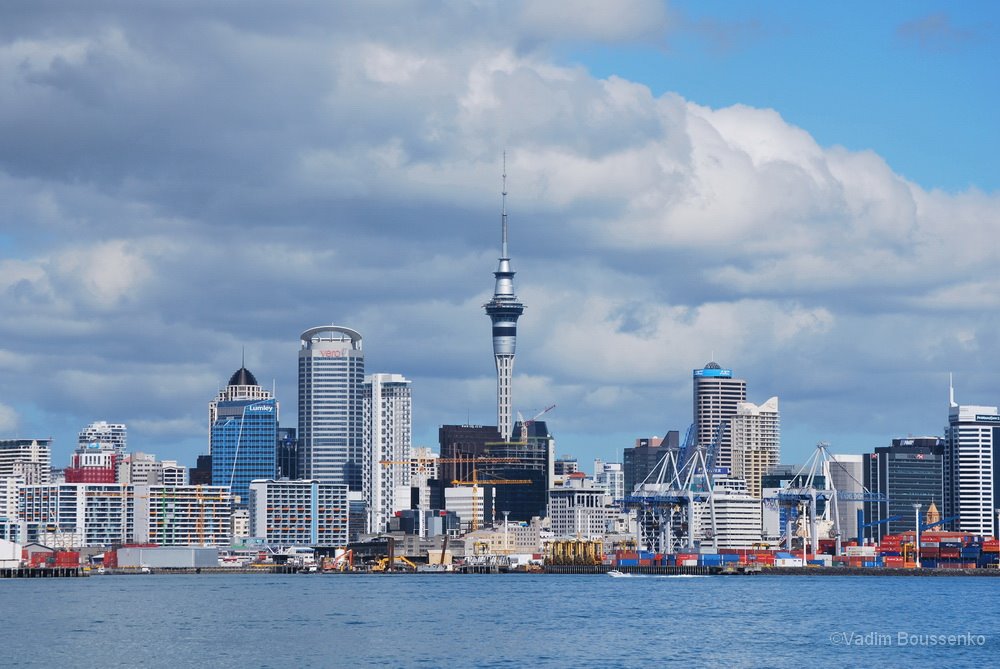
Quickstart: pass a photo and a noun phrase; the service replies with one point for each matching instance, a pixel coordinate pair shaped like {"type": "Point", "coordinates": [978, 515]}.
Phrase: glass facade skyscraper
{"type": "Point", "coordinates": [331, 406]}
{"type": "Point", "coordinates": [244, 441]}
{"type": "Point", "coordinates": [909, 472]}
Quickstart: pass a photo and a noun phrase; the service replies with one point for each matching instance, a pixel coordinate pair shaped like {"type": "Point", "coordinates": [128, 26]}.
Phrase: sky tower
{"type": "Point", "coordinates": [504, 310]}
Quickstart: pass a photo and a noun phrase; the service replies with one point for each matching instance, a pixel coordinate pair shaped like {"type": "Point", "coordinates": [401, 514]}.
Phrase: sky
{"type": "Point", "coordinates": [806, 193]}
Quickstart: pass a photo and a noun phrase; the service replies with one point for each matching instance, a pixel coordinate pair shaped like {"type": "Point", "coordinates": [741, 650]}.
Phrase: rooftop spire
{"type": "Point", "coordinates": [503, 210]}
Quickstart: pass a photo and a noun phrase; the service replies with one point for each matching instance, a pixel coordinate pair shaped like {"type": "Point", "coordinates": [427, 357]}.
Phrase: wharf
{"type": "Point", "coordinates": [267, 569]}
{"type": "Point", "coordinates": [42, 572]}
{"type": "Point", "coordinates": [767, 571]}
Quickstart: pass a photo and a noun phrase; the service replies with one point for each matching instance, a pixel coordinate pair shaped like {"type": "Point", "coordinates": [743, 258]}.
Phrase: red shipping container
{"type": "Point", "coordinates": [111, 559]}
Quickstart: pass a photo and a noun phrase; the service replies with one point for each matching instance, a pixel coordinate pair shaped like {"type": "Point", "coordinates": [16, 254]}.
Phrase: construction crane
{"type": "Point", "coordinates": [476, 482]}
{"type": "Point", "coordinates": [525, 424]}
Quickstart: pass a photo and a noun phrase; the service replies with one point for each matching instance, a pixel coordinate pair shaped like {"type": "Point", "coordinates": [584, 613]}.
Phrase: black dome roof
{"type": "Point", "coordinates": [711, 365]}
{"type": "Point", "coordinates": [243, 377]}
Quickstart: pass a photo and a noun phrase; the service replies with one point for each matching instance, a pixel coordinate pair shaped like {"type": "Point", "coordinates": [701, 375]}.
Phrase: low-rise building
{"type": "Point", "coordinates": [581, 508]}
{"type": "Point", "coordinates": [77, 514]}
{"type": "Point", "coordinates": [183, 515]}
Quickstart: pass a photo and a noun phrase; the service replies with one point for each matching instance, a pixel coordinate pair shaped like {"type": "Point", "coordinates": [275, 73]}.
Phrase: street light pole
{"type": "Point", "coordinates": [916, 513]}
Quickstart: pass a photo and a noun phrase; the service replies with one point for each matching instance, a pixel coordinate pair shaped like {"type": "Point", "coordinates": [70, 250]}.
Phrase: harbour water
{"type": "Point", "coordinates": [398, 620]}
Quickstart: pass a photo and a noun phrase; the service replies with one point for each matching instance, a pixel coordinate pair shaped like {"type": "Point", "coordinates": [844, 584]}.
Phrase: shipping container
{"type": "Point", "coordinates": [628, 562]}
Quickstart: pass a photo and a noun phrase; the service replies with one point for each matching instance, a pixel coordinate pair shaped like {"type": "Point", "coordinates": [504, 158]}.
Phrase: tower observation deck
{"type": "Point", "coordinates": [504, 310]}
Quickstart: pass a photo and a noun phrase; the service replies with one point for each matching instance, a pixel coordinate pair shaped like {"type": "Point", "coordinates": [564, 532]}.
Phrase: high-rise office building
{"type": "Point", "coordinates": [287, 454]}
{"type": "Point", "coordinates": [641, 462]}
{"type": "Point", "coordinates": [972, 452]}
{"type": "Point", "coordinates": [756, 440]}
{"type": "Point", "coordinates": [331, 406]}
{"type": "Point", "coordinates": [504, 309]}
{"type": "Point", "coordinates": [846, 474]}
{"type": "Point", "coordinates": [910, 471]}
{"type": "Point", "coordinates": [716, 396]}
{"type": "Point", "coordinates": [242, 386]}
{"type": "Point", "coordinates": [243, 434]}
{"type": "Point", "coordinates": [388, 434]}
{"type": "Point", "coordinates": [460, 443]}
{"type": "Point", "coordinates": [244, 442]}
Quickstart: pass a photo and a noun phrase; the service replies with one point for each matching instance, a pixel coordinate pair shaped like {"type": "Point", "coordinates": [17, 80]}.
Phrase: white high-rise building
{"type": "Point", "coordinates": [716, 396]}
{"type": "Point", "coordinates": [388, 409]}
{"type": "Point", "coordinates": [611, 476]}
{"type": "Point", "coordinates": [30, 459]}
{"type": "Point", "coordinates": [846, 472]}
{"type": "Point", "coordinates": [737, 516]}
{"type": "Point", "coordinates": [970, 467]}
{"type": "Point", "coordinates": [141, 469]}
{"type": "Point", "coordinates": [756, 442]}
{"type": "Point", "coordinates": [331, 406]}
{"type": "Point", "coordinates": [114, 435]}
{"type": "Point", "coordinates": [581, 508]}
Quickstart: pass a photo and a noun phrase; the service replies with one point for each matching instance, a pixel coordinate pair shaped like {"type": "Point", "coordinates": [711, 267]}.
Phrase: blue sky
{"type": "Point", "coordinates": [916, 82]}
{"type": "Point", "coordinates": [807, 192]}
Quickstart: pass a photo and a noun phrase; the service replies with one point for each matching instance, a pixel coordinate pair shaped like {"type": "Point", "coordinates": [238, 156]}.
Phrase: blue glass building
{"type": "Point", "coordinates": [244, 444]}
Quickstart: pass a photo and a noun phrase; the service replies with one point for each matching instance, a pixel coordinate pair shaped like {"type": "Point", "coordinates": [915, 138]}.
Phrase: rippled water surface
{"type": "Point", "coordinates": [499, 621]}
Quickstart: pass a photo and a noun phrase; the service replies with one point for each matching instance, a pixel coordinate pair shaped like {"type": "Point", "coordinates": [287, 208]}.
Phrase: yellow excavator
{"type": "Point", "coordinates": [399, 563]}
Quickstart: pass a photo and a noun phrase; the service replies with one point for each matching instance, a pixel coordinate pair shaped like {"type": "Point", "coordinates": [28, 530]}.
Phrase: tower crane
{"type": "Point", "coordinates": [526, 423]}
{"type": "Point", "coordinates": [476, 482]}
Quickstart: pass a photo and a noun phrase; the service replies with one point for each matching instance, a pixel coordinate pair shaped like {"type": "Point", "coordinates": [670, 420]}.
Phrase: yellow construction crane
{"type": "Point", "coordinates": [469, 461]}
{"type": "Point", "coordinates": [476, 482]}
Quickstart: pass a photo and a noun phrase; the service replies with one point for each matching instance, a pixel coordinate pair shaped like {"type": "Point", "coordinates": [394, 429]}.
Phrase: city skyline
{"type": "Point", "coordinates": [826, 230]}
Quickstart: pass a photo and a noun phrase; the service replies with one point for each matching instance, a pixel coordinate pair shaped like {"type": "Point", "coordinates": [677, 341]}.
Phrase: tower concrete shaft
{"type": "Point", "coordinates": [504, 310]}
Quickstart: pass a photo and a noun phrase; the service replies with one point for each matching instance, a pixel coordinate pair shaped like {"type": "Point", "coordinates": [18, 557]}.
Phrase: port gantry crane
{"type": "Point", "coordinates": [683, 478]}
{"type": "Point", "coordinates": [801, 491]}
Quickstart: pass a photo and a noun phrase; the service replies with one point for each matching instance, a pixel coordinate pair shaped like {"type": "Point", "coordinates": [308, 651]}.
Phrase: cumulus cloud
{"type": "Point", "coordinates": [231, 178]}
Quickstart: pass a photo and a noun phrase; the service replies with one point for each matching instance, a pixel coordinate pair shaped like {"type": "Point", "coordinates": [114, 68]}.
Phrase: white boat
{"type": "Point", "coordinates": [614, 573]}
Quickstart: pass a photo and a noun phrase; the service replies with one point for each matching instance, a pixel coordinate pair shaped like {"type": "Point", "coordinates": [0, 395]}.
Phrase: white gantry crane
{"type": "Point", "coordinates": [803, 492]}
{"type": "Point", "coordinates": [681, 478]}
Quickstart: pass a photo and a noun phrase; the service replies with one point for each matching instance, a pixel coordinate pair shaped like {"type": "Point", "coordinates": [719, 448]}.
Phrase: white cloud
{"type": "Point", "coordinates": [216, 193]}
